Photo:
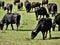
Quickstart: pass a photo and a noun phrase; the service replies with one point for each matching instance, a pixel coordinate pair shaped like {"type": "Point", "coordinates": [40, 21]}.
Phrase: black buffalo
{"type": "Point", "coordinates": [35, 4]}
{"type": "Point", "coordinates": [20, 5]}
{"type": "Point", "coordinates": [27, 6]}
{"type": "Point", "coordinates": [2, 4]}
{"type": "Point", "coordinates": [56, 21]}
{"type": "Point", "coordinates": [44, 2]}
{"type": "Point", "coordinates": [52, 8]}
{"type": "Point", "coordinates": [44, 25]}
{"type": "Point", "coordinates": [10, 18]}
{"type": "Point", "coordinates": [8, 7]}
{"type": "Point", "coordinates": [16, 1]}
{"type": "Point", "coordinates": [40, 11]}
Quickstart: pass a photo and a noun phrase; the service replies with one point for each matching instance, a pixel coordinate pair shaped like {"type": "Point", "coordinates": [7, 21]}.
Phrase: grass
{"type": "Point", "coordinates": [28, 23]}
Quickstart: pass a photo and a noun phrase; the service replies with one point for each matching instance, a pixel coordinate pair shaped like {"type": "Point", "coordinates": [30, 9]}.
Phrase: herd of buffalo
{"type": "Point", "coordinates": [44, 24]}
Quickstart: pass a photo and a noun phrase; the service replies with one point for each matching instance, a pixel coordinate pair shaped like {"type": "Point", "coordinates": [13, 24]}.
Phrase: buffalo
{"type": "Point", "coordinates": [2, 4]}
{"type": "Point", "coordinates": [44, 25]}
{"type": "Point", "coordinates": [44, 2]}
{"type": "Point", "coordinates": [20, 5]}
{"type": "Point", "coordinates": [52, 8]}
{"type": "Point", "coordinates": [40, 11]}
{"type": "Point", "coordinates": [16, 1]}
{"type": "Point", "coordinates": [8, 7]}
{"type": "Point", "coordinates": [10, 18]}
{"type": "Point", "coordinates": [27, 5]}
{"type": "Point", "coordinates": [35, 4]}
{"type": "Point", "coordinates": [56, 21]}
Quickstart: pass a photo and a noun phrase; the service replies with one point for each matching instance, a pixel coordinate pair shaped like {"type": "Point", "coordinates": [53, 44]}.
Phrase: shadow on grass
{"type": "Point", "coordinates": [31, 12]}
{"type": "Point", "coordinates": [25, 30]}
{"type": "Point", "coordinates": [52, 38]}
{"type": "Point", "coordinates": [21, 10]}
{"type": "Point", "coordinates": [18, 30]}
{"type": "Point", "coordinates": [55, 37]}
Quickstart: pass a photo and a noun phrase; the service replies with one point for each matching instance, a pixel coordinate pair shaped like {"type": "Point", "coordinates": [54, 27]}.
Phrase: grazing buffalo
{"type": "Point", "coordinates": [44, 2]}
{"type": "Point", "coordinates": [16, 1]}
{"type": "Point", "coordinates": [52, 8]}
{"type": "Point", "coordinates": [20, 5]}
{"type": "Point", "coordinates": [2, 4]}
{"type": "Point", "coordinates": [8, 7]}
{"type": "Point", "coordinates": [10, 18]}
{"type": "Point", "coordinates": [56, 21]}
{"type": "Point", "coordinates": [35, 4]}
{"type": "Point", "coordinates": [40, 11]}
{"type": "Point", "coordinates": [27, 5]}
{"type": "Point", "coordinates": [44, 25]}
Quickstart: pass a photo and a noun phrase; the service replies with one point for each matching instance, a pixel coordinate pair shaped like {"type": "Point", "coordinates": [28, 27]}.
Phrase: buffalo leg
{"type": "Point", "coordinates": [12, 27]}
{"type": "Point", "coordinates": [40, 17]}
{"type": "Point", "coordinates": [14, 3]}
{"type": "Point", "coordinates": [17, 26]}
{"type": "Point", "coordinates": [36, 17]}
{"type": "Point", "coordinates": [42, 4]}
{"type": "Point", "coordinates": [11, 11]}
{"type": "Point", "coordinates": [52, 15]}
{"type": "Point", "coordinates": [0, 7]}
{"type": "Point", "coordinates": [43, 33]}
{"type": "Point", "coordinates": [46, 34]}
{"type": "Point", "coordinates": [50, 33]}
{"type": "Point", "coordinates": [53, 27]}
{"type": "Point", "coordinates": [6, 26]}
{"type": "Point", "coordinates": [28, 11]}
{"type": "Point", "coordinates": [59, 28]}
{"type": "Point", "coordinates": [43, 16]}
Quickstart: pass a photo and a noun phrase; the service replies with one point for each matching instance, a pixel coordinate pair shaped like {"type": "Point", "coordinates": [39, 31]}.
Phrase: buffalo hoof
{"type": "Point", "coordinates": [12, 29]}
{"type": "Point", "coordinates": [36, 19]}
{"type": "Point", "coordinates": [44, 39]}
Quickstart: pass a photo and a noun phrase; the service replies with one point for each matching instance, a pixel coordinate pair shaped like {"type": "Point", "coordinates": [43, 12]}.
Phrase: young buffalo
{"type": "Point", "coordinates": [44, 25]}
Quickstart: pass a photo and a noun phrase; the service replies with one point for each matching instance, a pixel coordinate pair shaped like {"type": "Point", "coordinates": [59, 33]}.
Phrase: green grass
{"type": "Point", "coordinates": [28, 23]}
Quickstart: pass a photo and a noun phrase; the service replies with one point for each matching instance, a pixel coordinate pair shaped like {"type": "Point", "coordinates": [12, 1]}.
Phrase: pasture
{"type": "Point", "coordinates": [28, 23]}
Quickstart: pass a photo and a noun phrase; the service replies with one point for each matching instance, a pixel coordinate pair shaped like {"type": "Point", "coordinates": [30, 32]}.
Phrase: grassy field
{"type": "Point", "coordinates": [28, 23]}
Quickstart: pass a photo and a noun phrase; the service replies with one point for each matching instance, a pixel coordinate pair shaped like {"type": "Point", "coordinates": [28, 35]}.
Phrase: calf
{"type": "Point", "coordinates": [8, 7]}
{"type": "Point", "coordinates": [16, 1]}
{"type": "Point", "coordinates": [52, 8]}
{"type": "Point", "coordinates": [44, 25]}
{"type": "Point", "coordinates": [20, 5]}
{"type": "Point", "coordinates": [56, 21]}
{"type": "Point", "coordinates": [2, 4]}
{"type": "Point", "coordinates": [44, 2]}
{"type": "Point", "coordinates": [35, 4]}
{"type": "Point", "coordinates": [27, 6]}
{"type": "Point", "coordinates": [10, 18]}
{"type": "Point", "coordinates": [40, 11]}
